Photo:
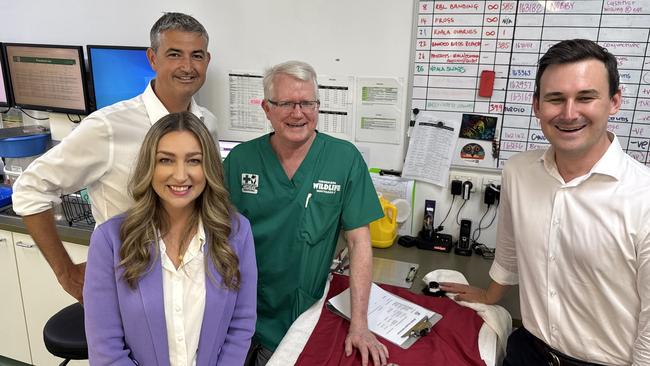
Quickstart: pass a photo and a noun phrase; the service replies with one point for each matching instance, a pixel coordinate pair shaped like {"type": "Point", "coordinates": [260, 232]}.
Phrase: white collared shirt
{"type": "Point", "coordinates": [184, 299]}
{"type": "Point", "coordinates": [98, 154]}
{"type": "Point", "coordinates": [580, 251]}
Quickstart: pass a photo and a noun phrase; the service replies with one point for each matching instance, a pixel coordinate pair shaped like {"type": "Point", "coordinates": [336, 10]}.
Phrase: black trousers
{"type": "Point", "coordinates": [526, 350]}
{"type": "Point", "coordinates": [258, 355]}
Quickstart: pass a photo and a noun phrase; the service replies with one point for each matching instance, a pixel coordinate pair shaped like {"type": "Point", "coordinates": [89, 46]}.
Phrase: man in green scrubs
{"type": "Point", "coordinates": [299, 188]}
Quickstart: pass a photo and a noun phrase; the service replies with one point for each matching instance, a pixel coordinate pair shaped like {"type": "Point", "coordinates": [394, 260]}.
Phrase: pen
{"type": "Point", "coordinates": [390, 172]}
{"type": "Point", "coordinates": [411, 275]}
{"type": "Point", "coordinates": [307, 200]}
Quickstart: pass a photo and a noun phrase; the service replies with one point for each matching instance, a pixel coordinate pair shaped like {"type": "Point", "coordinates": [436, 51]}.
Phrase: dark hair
{"type": "Point", "coordinates": [175, 21]}
{"type": "Point", "coordinates": [574, 50]}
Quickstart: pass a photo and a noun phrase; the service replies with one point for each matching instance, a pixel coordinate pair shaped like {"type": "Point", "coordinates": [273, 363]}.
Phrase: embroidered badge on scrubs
{"type": "Point", "coordinates": [325, 186]}
{"type": "Point", "coordinates": [249, 183]}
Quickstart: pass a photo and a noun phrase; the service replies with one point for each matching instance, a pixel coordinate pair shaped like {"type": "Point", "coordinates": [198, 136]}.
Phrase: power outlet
{"type": "Point", "coordinates": [464, 177]}
{"type": "Point", "coordinates": [490, 180]}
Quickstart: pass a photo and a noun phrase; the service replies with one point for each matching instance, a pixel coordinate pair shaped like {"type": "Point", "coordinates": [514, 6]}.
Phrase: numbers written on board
{"type": "Point", "coordinates": [495, 108]}
{"type": "Point", "coordinates": [521, 73]}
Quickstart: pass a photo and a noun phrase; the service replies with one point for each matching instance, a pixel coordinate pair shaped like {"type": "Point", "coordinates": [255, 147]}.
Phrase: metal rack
{"type": "Point", "coordinates": [76, 207]}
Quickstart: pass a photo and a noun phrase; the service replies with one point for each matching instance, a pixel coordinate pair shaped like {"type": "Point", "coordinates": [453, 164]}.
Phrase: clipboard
{"type": "Point", "coordinates": [391, 272]}
{"type": "Point", "coordinates": [391, 317]}
{"type": "Point", "coordinates": [386, 271]}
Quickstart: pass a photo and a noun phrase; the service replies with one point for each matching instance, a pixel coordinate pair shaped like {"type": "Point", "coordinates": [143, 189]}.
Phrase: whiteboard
{"type": "Point", "coordinates": [360, 39]}
{"type": "Point", "coordinates": [455, 41]}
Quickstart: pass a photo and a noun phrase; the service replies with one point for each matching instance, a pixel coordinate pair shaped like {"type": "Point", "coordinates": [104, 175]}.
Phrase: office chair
{"type": "Point", "coordinates": [65, 336]}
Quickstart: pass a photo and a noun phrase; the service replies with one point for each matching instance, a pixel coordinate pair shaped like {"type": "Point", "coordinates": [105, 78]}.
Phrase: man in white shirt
{"type": "Point", "coordinates": [99, 153]}
{"type": "Point", "coordinates": [574, 225]}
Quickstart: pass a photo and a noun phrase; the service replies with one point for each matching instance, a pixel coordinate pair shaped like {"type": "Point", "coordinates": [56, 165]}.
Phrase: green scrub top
{"type": "Point", "coordinates": [296, 223]}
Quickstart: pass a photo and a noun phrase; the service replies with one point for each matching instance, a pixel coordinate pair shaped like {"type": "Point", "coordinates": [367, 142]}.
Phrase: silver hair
{"type": "Point", "coordinates": [175, 21]}
{"type": "Point", "coordinates": [297, 69]}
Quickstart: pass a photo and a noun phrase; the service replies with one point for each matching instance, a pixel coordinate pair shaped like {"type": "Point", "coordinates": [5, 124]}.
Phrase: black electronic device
{"type": "Point", "coordinates": [47, 77]}
{"type": "Point", "coordinates": [467, 189]}
{"type": "Point", "coordinates": [490, 194]}
{"type": "Point", "coordinates": [456, 187]}
{"type": "Point", "coordinates": [427, 221]}
{"type": "Point", "coordinates": [464, 246]}
{"type": "Point", "coordinates": [439, 242]}
{"type": "Point", "coordinates": [407, 241]}
{"type": "Point", "coordinates": [5, 90]}
{"type": "Point", "coordinates": [433, 289]}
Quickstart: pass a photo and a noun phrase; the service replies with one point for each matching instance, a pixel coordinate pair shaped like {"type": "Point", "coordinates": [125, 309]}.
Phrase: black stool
{"type": "Point", "coordinates": [65, 336]}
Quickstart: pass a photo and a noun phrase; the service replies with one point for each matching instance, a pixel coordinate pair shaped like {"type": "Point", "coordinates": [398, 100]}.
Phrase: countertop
{"type": "Point", "coordinates": [78, 233]}
{"type": "Point", "coordinates": [474, 267]}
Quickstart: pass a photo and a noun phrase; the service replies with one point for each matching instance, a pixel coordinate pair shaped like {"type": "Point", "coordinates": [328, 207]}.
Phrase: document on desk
{"type": "Point", "coordinates": [430, 150]}
{"type": "Point", "coordinates": [389, 316]}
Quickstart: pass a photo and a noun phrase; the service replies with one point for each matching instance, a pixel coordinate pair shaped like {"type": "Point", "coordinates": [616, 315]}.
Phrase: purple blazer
{"type": "Point", "coordinates": [127, 327]}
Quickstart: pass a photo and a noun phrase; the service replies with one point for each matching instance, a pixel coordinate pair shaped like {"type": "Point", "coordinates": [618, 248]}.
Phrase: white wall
{"type": "Point", "coordinates": [363, 38]}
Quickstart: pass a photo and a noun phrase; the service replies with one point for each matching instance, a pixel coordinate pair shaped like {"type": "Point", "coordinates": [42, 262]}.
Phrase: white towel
{"type": "Point", "coordinates": [296, 338]}
{"type": "Point", "coordinates": [495, 316]}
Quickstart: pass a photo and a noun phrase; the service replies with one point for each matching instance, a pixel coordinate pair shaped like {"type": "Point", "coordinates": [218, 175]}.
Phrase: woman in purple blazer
{"type": "Point", "coordinates": [173, 280]}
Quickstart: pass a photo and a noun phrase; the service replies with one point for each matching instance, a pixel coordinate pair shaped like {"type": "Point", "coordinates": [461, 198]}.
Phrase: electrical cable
{"type": "Point", "coordinates": [458, 213]}
{"type": "Point", "coordinates": [478, 229]}
{"type": "Point", "coordinates": [73, 121]}
{"type": "Point", "coordinates": [481, 228]}
{"type": "Point", "coordinates": [5, 111]}
{"type": "Point", "coordinates": [493, 217]}
{"type": "Point", "coordinates": [440, 227]}
{"type": "Point", "coordinates": [38, 119]}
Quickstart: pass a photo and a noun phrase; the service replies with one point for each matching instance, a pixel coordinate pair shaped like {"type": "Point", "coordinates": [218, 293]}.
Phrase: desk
{"type": "Point", "coordinates": [475, 268]}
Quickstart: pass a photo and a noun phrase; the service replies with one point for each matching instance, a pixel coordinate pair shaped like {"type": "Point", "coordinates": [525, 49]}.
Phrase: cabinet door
{"type": "Point", "coordinates": [42, 294]}
{"type": "Point", "coordinates": [13, 332]}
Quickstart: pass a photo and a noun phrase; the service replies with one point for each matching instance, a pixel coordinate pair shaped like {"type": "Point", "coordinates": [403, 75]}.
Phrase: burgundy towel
{"type": "Point", "coordinates": [452, 341]}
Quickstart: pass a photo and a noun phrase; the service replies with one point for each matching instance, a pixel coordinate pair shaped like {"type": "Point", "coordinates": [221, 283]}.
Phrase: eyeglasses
{"type": "Point", "coordinates": [305, 105]}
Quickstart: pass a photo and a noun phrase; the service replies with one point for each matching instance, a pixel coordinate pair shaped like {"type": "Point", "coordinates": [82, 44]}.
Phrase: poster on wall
{"type": "Point", "coordinates": [336, 107]}
{"type": "Point", "coordinates": [378, 110]}
{"type": "Point", "coordinates": [477, 144]}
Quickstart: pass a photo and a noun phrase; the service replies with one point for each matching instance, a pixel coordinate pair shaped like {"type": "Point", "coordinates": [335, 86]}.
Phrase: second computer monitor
{"type": "Point", "coordinates": [118, 73]}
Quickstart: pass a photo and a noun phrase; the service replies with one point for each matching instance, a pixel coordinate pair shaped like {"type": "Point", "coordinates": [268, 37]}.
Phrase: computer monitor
{"type": "Point", "coordinates": [5, 95]}
{"type": "Point", "coordinates": [117, 73]}
{"type": "Point", "coordinates": [47, 77]}
{"type": "Point", "coordinates": [225, 146]}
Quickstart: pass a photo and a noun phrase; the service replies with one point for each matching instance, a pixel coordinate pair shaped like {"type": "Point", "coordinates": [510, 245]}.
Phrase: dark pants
{"type": "Point", "coordinates": [257, 355]}
{"type": "Point", "coordinates": [527, 350]}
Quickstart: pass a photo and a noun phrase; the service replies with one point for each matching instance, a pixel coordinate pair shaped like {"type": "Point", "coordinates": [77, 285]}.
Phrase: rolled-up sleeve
{"type": "Point", "coordinates": [504, 268]}
{"type": "Point", "coordinates": [78, 160]}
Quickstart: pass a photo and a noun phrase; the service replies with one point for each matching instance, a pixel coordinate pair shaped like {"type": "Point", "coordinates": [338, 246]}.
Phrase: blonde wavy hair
{"type": "Point", "coordinates": [146, 217]}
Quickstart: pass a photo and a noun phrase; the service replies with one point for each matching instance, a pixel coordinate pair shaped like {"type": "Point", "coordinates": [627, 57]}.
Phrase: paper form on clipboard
{"type": "Point", "coordinates": [391, 317]}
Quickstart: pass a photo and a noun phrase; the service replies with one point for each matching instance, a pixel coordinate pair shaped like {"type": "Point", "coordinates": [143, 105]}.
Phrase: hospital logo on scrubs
{"type": "Point", "coordinates": [249, 183]}
{"type": "Point", "coordinates": [324, 186]}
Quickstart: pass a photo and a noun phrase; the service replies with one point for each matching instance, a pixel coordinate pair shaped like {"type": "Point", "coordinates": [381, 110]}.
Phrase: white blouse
{"type": "Point", "coordinates": [184, 298]}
